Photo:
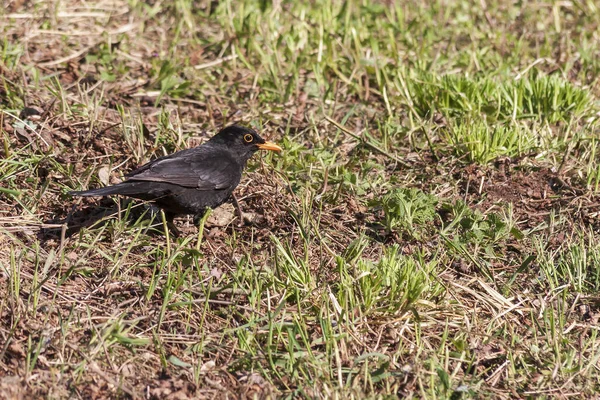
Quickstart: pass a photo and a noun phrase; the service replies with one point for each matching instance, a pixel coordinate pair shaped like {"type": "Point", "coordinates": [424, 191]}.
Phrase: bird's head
{"type": "Point", "coordinates": [243, 141]}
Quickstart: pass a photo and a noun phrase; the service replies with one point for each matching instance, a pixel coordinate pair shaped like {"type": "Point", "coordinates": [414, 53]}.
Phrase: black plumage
{"type": "Point", "coordinates": [189, 181]}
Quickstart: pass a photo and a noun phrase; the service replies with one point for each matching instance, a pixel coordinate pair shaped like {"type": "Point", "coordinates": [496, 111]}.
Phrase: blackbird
{"type": "Point", "coordinates": [189, 181]}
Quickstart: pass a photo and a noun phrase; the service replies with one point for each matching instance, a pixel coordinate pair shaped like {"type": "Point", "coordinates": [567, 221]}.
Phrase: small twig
{"type": "Point", "coordinates": [374, 147]}
{"type": "Point", "coordinates": [533, 64]}
{"type": "Point", "coordinates": [215, 62]}
{"type": "Point", "coordinates": [109, 127]}
{"type": "Point", "coordinates": [493, 378]}
{"type": "Point", "coordinates": [70, 57]}
{"type": "Point", "coordinates": [481, 185]}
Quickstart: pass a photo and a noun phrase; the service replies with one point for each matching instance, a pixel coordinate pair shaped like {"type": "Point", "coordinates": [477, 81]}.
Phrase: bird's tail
{"type": "Point", "coordinates": [124, 188]}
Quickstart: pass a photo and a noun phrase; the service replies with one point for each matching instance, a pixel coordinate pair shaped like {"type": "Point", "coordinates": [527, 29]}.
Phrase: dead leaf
{"type": "Point", "coordinates": [104, 175]}
{"type": "Point", "coordinates": [221, 216]}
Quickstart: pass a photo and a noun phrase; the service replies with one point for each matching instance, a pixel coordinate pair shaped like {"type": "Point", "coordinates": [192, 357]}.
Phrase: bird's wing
{"type": "Point", "coordinates": [191, 168]}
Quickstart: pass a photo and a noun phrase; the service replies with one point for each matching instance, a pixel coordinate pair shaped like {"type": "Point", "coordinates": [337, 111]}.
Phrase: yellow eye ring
{"type": "Point", "coordinates": [248, 138]}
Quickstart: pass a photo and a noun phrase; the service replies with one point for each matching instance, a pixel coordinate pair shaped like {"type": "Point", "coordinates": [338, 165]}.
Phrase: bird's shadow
{"type": "Point", "coordinates": [98, 215]}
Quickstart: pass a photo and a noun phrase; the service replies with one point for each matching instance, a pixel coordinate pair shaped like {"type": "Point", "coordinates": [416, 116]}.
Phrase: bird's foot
{"type": "Point", "coordinates": [158, 214]}
{"type": "Point", "coordinates": [173, 228]}
{"type": "Point", "coordinates": [240, 214]}
{"type": "Point", "coordinates": [200, 218]}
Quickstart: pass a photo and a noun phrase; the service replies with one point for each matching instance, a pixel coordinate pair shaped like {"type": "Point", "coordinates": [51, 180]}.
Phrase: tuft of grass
{"type": "Point", "coordinates": [467, 131]}
{"type": "Point", "coordinates": [396, 283]}
{"type": "Point", "coordinates": [481, 143]}
{"type": "Point", "coordinates": [533, 96]}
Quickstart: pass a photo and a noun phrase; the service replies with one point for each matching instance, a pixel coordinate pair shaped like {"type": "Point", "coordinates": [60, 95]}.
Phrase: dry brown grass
{"type": "Point", "coordinates": [314, 296]}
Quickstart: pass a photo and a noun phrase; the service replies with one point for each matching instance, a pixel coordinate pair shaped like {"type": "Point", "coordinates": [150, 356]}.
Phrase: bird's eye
{"type": "Point", "coordinates": [248, 138]}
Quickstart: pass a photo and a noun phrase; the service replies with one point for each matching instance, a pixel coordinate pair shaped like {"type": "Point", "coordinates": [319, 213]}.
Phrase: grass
{"type": "Point", "coordinates": [428, 232]}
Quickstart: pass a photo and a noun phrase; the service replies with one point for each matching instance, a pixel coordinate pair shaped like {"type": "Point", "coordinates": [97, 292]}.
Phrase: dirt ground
{"type": "Point", "coordinates": [313, 296]}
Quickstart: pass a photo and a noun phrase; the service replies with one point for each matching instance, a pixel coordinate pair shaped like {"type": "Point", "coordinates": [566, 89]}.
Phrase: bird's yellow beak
{"type": "Point", "coordinates": [269, 146]}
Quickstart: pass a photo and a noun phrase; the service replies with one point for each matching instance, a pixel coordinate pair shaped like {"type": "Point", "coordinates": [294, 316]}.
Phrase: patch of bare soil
{"type": "Point", "coordinates": [533, 191]}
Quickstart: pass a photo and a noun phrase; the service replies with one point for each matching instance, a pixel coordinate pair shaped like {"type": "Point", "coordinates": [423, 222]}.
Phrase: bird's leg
{"type": "Point", "coordinates": [156, 212]}
{"type": "Point", "coordinates": [173, 228]}
{"type": "Point", "coordinates": [238, 209]}
{"type": "Point", "coordinates": [152, 209]}
{"type": "Point", "coordinates": [171, 225]}
{"type": "Point", "coordinates": [200, 220]}
{"type": "Point", "coordinates": [197, 219]}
